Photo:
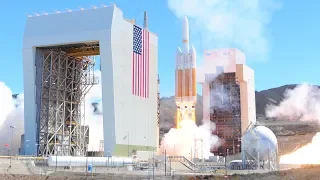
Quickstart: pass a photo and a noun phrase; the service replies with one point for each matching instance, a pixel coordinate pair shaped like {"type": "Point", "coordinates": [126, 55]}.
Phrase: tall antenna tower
{"type": "Point", "coordinates": [145, 21]}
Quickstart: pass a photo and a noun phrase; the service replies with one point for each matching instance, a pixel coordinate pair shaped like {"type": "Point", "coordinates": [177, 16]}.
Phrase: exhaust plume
{"type": "Point", "coordinates": [197, 141]}
{"type": "Point", "coordinates": [238, 23]}
{"type": "Point", "coordinates": [303, 104]}
{"type": "Point", "coordinates": [194, 141]}
{"type": "Point", "coordinates": [190, 140]}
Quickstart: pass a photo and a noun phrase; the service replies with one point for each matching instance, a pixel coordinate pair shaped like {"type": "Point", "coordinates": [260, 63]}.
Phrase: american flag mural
{"type": "Point", "coordinates": [140, 62]}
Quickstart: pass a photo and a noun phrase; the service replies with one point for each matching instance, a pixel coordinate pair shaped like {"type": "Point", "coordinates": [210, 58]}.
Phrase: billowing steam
{"type": "Point", "coordinates": [229, 22]}
{"type": "Point", "coordinates": [301, 103]}
{"type": "Point", "coordinates": [190, 140]}
{"type": "Point", "coordinates": [12, 114]}
{"type": "Point", "coordinates": [224, 97]}
{"type": "Point", "coordinates": [94, 120]}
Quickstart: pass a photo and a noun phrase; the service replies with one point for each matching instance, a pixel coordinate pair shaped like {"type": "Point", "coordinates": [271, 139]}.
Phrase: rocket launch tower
{"type": "Point", "coordinates": [186, 88]}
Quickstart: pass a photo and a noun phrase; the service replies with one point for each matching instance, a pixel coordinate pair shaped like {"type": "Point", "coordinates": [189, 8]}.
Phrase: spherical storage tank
{"type": "Point", "coordinates": [261, 141]}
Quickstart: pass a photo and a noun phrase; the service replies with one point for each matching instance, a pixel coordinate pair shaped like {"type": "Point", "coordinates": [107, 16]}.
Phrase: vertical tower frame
{"type": "Point", "coordinates": [225, 112]}
{"type": "Point", "coordinates": [62, 83]}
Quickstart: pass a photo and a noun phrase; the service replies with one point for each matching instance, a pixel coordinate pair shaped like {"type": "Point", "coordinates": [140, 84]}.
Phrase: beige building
{"type": "Point", "coordinates": [228, 96]}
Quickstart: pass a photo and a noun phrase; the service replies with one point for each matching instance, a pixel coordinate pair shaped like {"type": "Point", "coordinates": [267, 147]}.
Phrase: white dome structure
{"type": "Point", "coordinates": [260, 146]}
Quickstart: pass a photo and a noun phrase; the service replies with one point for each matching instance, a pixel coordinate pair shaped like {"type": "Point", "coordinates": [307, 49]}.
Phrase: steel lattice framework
{"type": "Point", "coordinates": [226, 112]}
{"type": "Point", "coordinates": [62, 83]}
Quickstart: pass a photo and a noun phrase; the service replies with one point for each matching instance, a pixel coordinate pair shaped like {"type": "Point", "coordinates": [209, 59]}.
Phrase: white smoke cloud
{"type": "Point", "coordinates": [6, 104]}
{"type": "Point", "coordinates": [301, 103]}
{"type": "Point", "coordinates": [238, 23]}
{"type": "Point", "coordinates": [190, 140]}
{"type": "Point", "coordinates": [198, 141]}
{"type": "Point", "coordinates": [94, 120]}
{"type": "Point", "coordinates": [223, 99]}
{"type": "Point", "coordinates": [11, 114]}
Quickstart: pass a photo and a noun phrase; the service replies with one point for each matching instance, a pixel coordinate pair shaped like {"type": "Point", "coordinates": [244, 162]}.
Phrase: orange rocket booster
{"type": "Point", "coordinates": [186, 88]}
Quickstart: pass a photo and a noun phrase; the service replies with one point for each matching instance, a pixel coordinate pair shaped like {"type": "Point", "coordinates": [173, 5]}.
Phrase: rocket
{"type": "Point", "coordinates": [186, 88]}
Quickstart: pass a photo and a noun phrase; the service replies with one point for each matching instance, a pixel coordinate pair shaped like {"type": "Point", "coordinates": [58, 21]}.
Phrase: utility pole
{"type": "Point", "coordinates": [56, 159]}
{"type": "Point", "coordinates": [195, 146]}
{"type": "Point", "coordinates": [128, 144]}
{"type": "Point", "coordinates": [153, 165]}
{"type": "Point", "coordinates": [12, 127]}
{"type": "Point", "coordinates": [225, 162]}
{"type": "Point", "coordinates": [202, 150]}
{"type": "Point", "coordinates": [165, 162]}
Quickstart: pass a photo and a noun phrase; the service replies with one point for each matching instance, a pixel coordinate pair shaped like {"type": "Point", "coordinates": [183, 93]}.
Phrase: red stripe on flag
{"type": "Point", "coordinates": [133, 83]}
{"type": "Point", "coordinates": [148, 65]}
{"type": "Point", "coordinates": [141, 63]}
{"type": "Point", "coordinates": [143, 60]}
{"type": "Point", "coordinates": [145, 65]}
{"type": "Point", "coordinates": [139, 85]}
{"type": "Point", "coordinates": [147, 69]}
{"type": "Point", "coordinates": [137, 73]}
{"type": "Point", "coordinates": [144, 68]}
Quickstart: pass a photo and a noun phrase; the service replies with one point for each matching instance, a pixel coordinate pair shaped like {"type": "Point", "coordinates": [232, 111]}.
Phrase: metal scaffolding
{"type": "Point", "coordinates": [62, 83]}
{"type": "Point", "coordinates": [226, 113]}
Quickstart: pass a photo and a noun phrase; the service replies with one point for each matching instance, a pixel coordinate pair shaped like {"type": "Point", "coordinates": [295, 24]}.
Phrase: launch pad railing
{"type": "Point", "coordinates": [186, 162]}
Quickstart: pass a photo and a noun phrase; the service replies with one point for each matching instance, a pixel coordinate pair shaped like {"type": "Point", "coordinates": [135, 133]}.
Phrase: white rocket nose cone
{"type": "Point", "coordinates": [185, 20]}
{"type": "Point", "coordinates": [185, 29]}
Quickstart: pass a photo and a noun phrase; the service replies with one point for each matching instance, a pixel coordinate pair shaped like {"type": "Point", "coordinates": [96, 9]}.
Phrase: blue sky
{"type": "Point", "coordinates": [291, 34]}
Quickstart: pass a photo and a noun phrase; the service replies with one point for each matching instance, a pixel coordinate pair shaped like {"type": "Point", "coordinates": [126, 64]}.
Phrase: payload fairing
{"type": "Point", "coordinates": [186, 87]}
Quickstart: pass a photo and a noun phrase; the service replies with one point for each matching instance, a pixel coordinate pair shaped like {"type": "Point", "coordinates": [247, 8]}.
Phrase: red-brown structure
{"type": "Point", "coordinates": [226, 113]}
{"type": "Point", "coordinates": [228, 97]}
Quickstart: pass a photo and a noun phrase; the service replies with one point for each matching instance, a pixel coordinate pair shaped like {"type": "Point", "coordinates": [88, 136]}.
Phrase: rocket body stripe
{"type": "Point", "coordinates": [194, 83]}
{"type": "Point", "coordinates": [180, 83]}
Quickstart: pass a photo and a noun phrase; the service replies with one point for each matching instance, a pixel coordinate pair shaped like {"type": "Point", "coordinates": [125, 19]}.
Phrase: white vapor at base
{"type": "Point", "coordinates": [94, 120]}
{"type": "Point", "coordinates": [11, 114]}
{"type": "Point", "coordinates": [190, 140]}
{"type": "Point", "coordinates": [303, 104]}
